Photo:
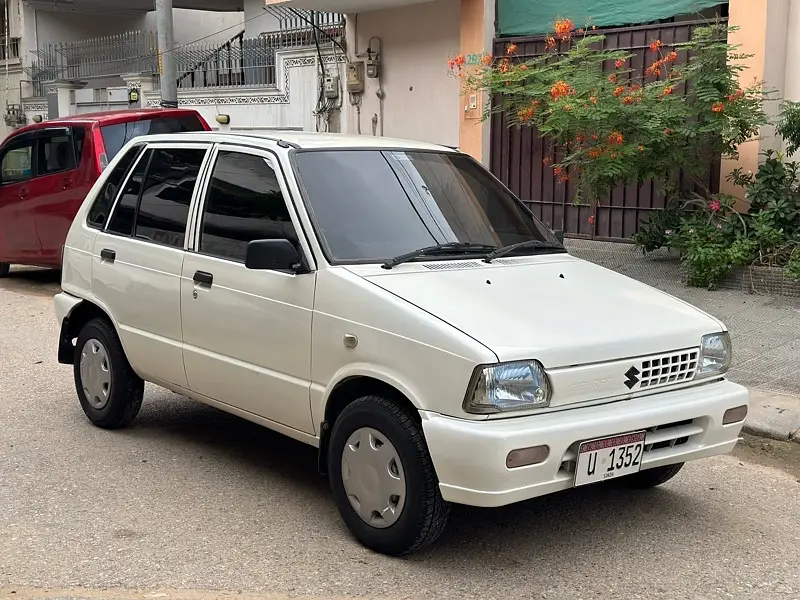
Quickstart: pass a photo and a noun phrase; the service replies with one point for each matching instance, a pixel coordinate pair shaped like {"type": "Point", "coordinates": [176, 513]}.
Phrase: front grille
{"type": "Point", "coordinates": [666, 369]}
{"type": "Point", "coordinates": [659, 437]}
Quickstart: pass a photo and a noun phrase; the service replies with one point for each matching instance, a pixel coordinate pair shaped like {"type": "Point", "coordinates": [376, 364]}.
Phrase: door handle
{"type": "Point", "coordinates": [109, 255]}
{"type": "Point", "coordinates": [23, 193]}
{"type": "Point", "coordinates": [204, 278]}
{"type": "Point", "coordinates": [66, 184]}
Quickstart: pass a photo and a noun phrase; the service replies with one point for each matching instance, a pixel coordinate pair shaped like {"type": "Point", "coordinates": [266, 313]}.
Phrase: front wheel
{"type": "Point", "coordinates": [650, 477]}
{"type": "Point", "coordinates": [4, 269]}
{"type": "Point", "coordinates": [383, 478]}
{"type": "Point", "coordinates": [109, 390]}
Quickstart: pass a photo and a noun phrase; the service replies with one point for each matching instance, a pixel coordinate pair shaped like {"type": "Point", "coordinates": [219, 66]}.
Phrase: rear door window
{"type": "Point", "coordinates": [55, 154]}
{"type": "Point", "coordinates": [116, 136]}
{"type": "Point", "coordinates": [164, 206]}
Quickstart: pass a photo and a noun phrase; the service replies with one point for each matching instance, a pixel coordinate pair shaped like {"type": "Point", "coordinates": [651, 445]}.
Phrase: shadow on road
{"type": "Point", "coordinates": [32, 281]}
{"type": "Point", "coordinates": [555, 530]}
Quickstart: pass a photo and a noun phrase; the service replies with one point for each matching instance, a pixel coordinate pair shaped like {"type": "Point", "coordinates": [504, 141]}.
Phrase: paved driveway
{"type": "Point", "coordinates": [196, 500]}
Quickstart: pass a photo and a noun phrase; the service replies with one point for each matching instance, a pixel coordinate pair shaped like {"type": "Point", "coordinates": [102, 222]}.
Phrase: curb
{"type": "Point", "coordinates": [764, 431]}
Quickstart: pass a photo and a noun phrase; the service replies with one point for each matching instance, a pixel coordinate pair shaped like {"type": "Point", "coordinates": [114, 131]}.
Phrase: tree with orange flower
{"type": "Point", "coordinates": [611, 126]}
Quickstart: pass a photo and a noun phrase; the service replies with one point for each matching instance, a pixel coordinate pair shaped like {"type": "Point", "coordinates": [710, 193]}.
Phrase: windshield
{"type": "Point", "coordinates": [116, 136]}
{"type": "Point", "coordinates": [372, 205]}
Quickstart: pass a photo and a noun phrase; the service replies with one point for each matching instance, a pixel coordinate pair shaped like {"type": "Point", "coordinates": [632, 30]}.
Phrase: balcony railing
{"type": "Point", "coordinates": [9, 48]}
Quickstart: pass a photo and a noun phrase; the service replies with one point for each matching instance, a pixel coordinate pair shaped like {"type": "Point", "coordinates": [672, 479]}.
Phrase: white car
{"type": "Point", "coordinates": [393, 304]}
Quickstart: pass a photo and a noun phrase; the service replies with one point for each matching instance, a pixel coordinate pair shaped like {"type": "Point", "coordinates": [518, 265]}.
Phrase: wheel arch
{"type": "Point", "coordinates": [74, 320]}
{"type": "Point", "coordinates": [352, 388]}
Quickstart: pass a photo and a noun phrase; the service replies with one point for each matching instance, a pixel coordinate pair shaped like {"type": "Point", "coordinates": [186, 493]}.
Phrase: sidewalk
{"type": "Point", "coordinates": [765, 331]}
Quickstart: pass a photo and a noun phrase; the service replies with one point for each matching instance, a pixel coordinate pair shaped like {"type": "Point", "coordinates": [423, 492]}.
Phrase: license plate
{"type": "Point", "coordinates": [607, 458]}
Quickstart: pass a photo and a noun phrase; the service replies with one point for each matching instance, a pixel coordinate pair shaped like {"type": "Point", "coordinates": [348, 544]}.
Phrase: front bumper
{"type": "Point", "coordinates": [470, 456]}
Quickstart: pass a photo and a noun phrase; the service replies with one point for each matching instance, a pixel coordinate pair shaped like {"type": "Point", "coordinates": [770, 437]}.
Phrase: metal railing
{"type": "Point", "coordinates": [108, 56]}
{"type": "Point", "coordinates": [297, 19]}
{"type": "Point", "coordinates": [237, 62]}
{"type": "Point", "coordinates": [9, 48]}
{"type": "Point", "coordinates": [241, 62]}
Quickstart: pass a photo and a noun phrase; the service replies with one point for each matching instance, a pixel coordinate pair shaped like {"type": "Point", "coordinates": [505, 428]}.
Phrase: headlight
{"type": "Point", "coordinates": [715, 355]}
{"type": "Point", "coordinates": [508, 387]}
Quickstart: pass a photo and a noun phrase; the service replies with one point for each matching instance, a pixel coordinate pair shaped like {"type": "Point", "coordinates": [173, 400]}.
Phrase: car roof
{"type": "Point", "coordinates": [300, 140]}
{"type": "Point", "coordinates": [108, 117]}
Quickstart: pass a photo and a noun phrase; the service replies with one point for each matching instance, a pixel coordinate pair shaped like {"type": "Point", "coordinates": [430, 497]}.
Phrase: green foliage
{"type": "Point", "coordinates": [789, 126]}
{"type": "Point", "coordinates": [616, 128]}
{"type": "Point", "coordinates": [712, 237]}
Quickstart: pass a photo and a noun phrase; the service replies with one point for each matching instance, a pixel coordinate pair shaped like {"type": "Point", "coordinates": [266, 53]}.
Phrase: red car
{"type": "Point", "coordinates": [46, 170]}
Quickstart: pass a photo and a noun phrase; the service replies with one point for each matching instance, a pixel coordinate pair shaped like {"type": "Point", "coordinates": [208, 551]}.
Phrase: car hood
{"type": "Point", "coordinates": [557, 309]}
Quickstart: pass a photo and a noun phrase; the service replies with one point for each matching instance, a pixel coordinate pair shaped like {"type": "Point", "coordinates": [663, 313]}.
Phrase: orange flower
{"type": "Point", "coordinates": [560, 89]}
{"type": "Point", "coordinates": [580, 139]}
{"type": "Point", "coordinates": [593, 99]}
{"type": "Point", "coordinates": [564, 29]}
{"type": "Point", "coordinates": [594, 153]}
{"type": "Point", "coordinates": [618, 92]}
{"type": "Point", "coordinates": [594, 137]}
{"type": "Point", "coordinates": [511, 49]}
{"type": "Point", "coordinates": [580, 31]}
{"type": "Point", "coordinates": [567, 107]}
{"type": "Point", "coordinates": [550, 42]}
{"type": "Point", "coordinates": [547, 161]}
{"type": "Point", "coordinates": [523, 67]}
{"type": "Point", "coordinates": [655, 68]}
{"type": "Point", "coordinates": [671, 57]}
{"type": "Point", "coordinates": [667, 91]}
{"type": "Point", "coordinates": [641, 148]}
{"type": "Point", "coordinates": [591, 219]}
{"type": "Point", "coordinates": [612, 78]}
{"type": "Point", "coordinates": [504, 66]}
{"type": "Point", "coordinates": [635, 87]}
{"type": "Point", "coordinates": [735, 96]}
{"type": "Point", "coordinates": [718, 107]}
{"type": "Point", "coordinates": [486, 59]}
{"type": "Point", "coordinates": [558, 171]}
{"type": "Point", "coordinates": [620, 63]}
{"type": "Point", "coordinates": [615, 138]}
{"type": "Point", "coordinates": [628, 100]}
{"type": "Point", "coordinates": [667, 131]}
{"type": "Point", "coordinates": [654, 46]}
{"type": "Point", "coordinates": [613, 155]}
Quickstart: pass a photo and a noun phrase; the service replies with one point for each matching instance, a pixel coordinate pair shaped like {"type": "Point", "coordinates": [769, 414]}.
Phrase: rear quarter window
{"type": "Point", "coordinates": [98, 213]}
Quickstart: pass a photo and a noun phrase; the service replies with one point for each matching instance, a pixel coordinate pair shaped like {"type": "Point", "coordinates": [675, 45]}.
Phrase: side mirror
{"type": "Point", "coordinates": [273, 255]}
{"type": "Point", "coordinates": [559, 233]}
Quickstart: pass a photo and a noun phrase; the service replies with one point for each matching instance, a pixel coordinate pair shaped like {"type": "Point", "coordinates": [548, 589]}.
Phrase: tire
{"type": "Point", "coordinates": [4, 269]}
{"type": "Point", "coordinates": [422, 511]}
{"type": "Point", "coordinates": [651, 477]}
{"type": "Point", "coordinates": [120, 400]}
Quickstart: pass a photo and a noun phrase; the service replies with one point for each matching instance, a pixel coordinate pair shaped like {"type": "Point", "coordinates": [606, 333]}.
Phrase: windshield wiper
{"type": "Point", "coordinates": [498, 252]}
{"type": "Point", "coordinates": [452, 247]}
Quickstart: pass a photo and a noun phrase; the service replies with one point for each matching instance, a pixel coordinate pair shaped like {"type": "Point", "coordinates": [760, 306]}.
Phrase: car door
{"type": "Point", "coordinates": [247, 334]}
{"type": "Point", "coordinates": [139, 256]}
{"type": "Point", "coordinates": [19, 241]}
{"type": "Point", "coordinates": [55, 194]}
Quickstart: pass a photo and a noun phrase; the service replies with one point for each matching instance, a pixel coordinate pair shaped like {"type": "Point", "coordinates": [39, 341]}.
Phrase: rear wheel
{"type": "Point", "coordinates": [4, 269]}
{"type": "Point", "coordinates": [109, 390]}
{"type": "Point", "coordinates": [650, 477]}
{"type": "Point", "coordinates": [383, 478]}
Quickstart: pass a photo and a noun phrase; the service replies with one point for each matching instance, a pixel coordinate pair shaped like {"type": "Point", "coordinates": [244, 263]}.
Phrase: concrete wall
{"type": "Point", "coordinates": [191, 25]}
{"type": "Point", "coordinates": [257, 20]}
{"type": "Point", "coordinates": [265, 108]}
{"type": "Point", "coordinates": [421, 97]}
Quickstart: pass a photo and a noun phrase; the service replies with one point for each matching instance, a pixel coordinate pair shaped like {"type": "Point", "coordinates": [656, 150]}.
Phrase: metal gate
{"type": "Point", "coordinates": [517, 153]}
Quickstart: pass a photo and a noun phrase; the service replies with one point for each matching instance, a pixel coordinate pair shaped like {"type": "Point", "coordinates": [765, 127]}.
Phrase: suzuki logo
{"type": "Point", "coordinates": [632, 378]}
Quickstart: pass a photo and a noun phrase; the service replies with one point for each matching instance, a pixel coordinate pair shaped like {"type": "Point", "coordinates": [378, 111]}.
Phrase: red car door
{"type": "Point", "coordinates": [56, 190]}
{"type": "Point", "coordinates": [19, 242]}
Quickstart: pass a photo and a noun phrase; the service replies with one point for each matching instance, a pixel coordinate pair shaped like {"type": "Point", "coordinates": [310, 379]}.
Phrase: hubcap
{"type": "Point", "coordinates": [373, 477]}
{"type": "Point", "coordinates": [95, 373]}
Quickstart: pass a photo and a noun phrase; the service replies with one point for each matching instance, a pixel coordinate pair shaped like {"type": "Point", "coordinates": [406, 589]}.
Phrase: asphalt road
{"type": "Point", "coordinates": [194, 500]}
